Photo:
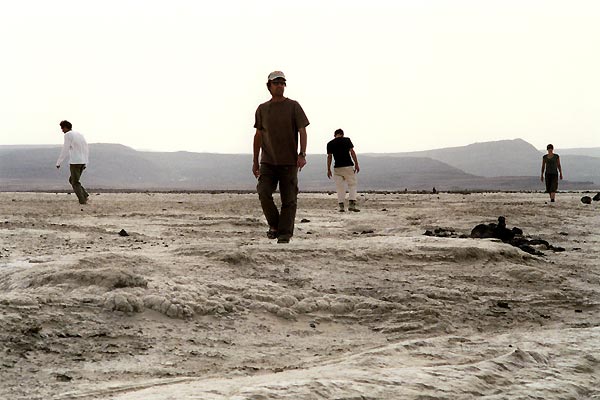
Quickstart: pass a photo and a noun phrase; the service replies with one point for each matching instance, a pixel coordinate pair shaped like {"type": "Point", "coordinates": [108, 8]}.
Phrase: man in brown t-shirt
{"type": "Point", "coordinates": [279, 122]}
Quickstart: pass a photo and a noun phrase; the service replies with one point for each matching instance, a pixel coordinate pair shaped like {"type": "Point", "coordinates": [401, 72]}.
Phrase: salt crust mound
{"type": "Point", "coordinates": [107, 277]}
{"type": "Point", "coordinates": [117, 287]}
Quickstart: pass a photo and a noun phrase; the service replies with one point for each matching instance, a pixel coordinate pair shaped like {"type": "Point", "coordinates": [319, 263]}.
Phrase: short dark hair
{"type": "Point", "coordinates": [66, 124]}
{"type": "Point", "coordinates": [550, 146]}
{"type": "Point", "coordinates": [338, 132]}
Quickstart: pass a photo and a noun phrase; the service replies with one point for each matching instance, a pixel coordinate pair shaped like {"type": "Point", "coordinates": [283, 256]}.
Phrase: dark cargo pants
{"type": "Point", "coordinates": [287, 178]}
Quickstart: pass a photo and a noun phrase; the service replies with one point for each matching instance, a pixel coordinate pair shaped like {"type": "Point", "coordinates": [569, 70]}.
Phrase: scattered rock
{"type": "Point", "coordinates": [445, 232]}
{"type": "Point", "coordinates": [503, 304]}
{"type": "Point", "coordinates": [304, 220]}
{"type": "Point", "coordinates": [586, 200]}
{"type": "Point", "coordinates": [32, 330]}
{"type": "Point", "coordinates": [538, 242]}
{"type": "Point", "coordinates": [367, 231]}
{"type": "Point", "coordinates": [123, 232]}
{"type": "Point", "coordinates": [596, 197]}
{"type": "Point", "coordinates": [63, 378]}
{"type": "Point", "coordinates": [531, 250]}
{"type": "Point", "coordinates": [442, 232]}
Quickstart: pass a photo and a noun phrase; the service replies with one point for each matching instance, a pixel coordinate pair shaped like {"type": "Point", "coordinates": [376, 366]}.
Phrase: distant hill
{"type": "Point", "coordinates": [590, 152]}
{"type": "Point", "coordinates": [513, 158]}
{"type": "Point", "coordinates": [500, 158]}
{"type": "Point", "coordinates": [504, 165]}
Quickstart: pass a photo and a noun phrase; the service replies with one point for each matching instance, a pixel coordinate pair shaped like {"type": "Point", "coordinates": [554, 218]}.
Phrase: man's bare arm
{"type": "Point", "coordinates": [353, 155]}
{"type": "Point", "coordinates": [302, 160]}
{"type": "Point", "coordinates": [256, 152]}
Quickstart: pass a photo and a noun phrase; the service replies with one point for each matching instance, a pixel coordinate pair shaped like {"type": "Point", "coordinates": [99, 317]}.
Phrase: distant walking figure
{"type": "Point", "coordinates": [341, 150]}
{"type": "Point", "coordinates": [553, 170]}
{"type": "Point", "coordinates": [280, 127]}
{"type": "Point", "coordinates": [76, 148]}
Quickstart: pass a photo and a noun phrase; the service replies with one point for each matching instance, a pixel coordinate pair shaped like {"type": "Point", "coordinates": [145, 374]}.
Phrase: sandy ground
{"type": "Point", "coordinates": [198, 304]}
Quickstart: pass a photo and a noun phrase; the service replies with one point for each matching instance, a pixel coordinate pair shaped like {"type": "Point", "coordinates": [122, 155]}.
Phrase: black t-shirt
{"type": "Point", "coordinates": [551, 164]}
{"type": "Point", "coordinates": [340, 148]}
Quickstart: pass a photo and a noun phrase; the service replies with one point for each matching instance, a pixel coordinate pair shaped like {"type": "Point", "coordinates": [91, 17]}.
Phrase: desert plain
{"type": "Point", "coordinates": [196, 302]}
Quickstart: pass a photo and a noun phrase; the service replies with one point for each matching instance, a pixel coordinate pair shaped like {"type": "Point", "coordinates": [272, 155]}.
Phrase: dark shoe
{"type": "Point", "coordinates": [552, 200]}
{"type": "Point", "coordinates": [283, 239]}
{"type": "Point", "coordinates": [341, 207]}
{"type": "Point", "coordinates": [271, 234]}
{"type": "Point", "coordinates": [352, 206]}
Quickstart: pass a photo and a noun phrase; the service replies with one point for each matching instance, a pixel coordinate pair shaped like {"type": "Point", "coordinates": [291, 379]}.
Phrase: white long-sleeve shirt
{"type": "Point", "coordinates": [76, 147]}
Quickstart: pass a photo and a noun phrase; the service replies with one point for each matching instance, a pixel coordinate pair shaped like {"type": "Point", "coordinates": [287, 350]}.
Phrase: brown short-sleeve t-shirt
{"type": "Point", "coordinates": [279, 123]}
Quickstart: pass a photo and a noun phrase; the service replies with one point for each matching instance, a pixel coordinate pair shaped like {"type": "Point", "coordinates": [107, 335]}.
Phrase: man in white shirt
{"type": "Point", "coordinates": [77, 149]}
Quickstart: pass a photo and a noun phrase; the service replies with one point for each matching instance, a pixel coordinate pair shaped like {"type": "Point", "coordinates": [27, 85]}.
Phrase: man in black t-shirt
{"type": "Point", "coordinates": [345, 169]}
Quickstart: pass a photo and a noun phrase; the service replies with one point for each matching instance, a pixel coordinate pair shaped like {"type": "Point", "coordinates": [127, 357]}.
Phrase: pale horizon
{"type": "Point", "coordinates": [396, 76]}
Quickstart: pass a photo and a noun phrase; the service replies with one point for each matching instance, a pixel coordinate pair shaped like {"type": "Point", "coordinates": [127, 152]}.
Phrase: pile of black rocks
{"type": "Point", "coordinates": [512, 236]}
{"type": "Point", "coordinates": [499, 230]}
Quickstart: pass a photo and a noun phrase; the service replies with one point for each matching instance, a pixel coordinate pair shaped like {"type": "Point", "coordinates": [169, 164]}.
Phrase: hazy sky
{"type": "Point", "coordinates": [397, 75]}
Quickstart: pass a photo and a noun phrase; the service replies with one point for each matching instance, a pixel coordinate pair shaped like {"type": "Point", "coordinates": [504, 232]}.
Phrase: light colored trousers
{"type": "Point", "coordinates": [345, 176]}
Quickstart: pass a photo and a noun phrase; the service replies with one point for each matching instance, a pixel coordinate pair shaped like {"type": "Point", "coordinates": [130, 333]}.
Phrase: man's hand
{"type": "Point", "coordinates": [256, 169]}
{"type": "Point", "coordinates": [329, 173]}
{"type": "Point", "coordinates": [356, 168]}
{"type": "Point", "coordinates": [542, 178]}
{"type": "Point", "coordinates": [301, 163]}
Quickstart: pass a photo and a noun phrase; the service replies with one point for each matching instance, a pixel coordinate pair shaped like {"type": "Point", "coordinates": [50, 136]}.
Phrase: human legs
{"type": "Point", "coordinates": [267, 183]}
{"type": "Point", "coordinates": [551, 185]}
{"type": "Point", "coordinates": [288, 189]}
{"type": "Point", "coordinates": [340, 186]}
{"type": "Point", "coordinates": [352, 183]}
{"type": "Point", "coordinates": [346, 176]}
{"type": "Point", "coordinates": [74, 180]}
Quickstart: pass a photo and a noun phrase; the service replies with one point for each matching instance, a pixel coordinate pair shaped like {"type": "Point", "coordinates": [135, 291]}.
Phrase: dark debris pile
{"type": "Point", "coordinates": [499, 230]}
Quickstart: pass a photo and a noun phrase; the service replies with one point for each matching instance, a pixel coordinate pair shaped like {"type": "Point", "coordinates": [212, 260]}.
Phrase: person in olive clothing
{"type": "Point", "coordinates": [551, 171]}
{"type": "Point", "coordinates": [280, 129]}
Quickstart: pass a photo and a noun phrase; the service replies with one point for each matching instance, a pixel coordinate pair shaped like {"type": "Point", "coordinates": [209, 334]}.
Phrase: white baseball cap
{"type": "Point", "coordinates": [276, 74]}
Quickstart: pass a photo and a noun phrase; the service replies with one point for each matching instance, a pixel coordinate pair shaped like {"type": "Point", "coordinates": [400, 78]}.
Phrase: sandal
{"type": "Point", "coordinates": [272, 234]}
